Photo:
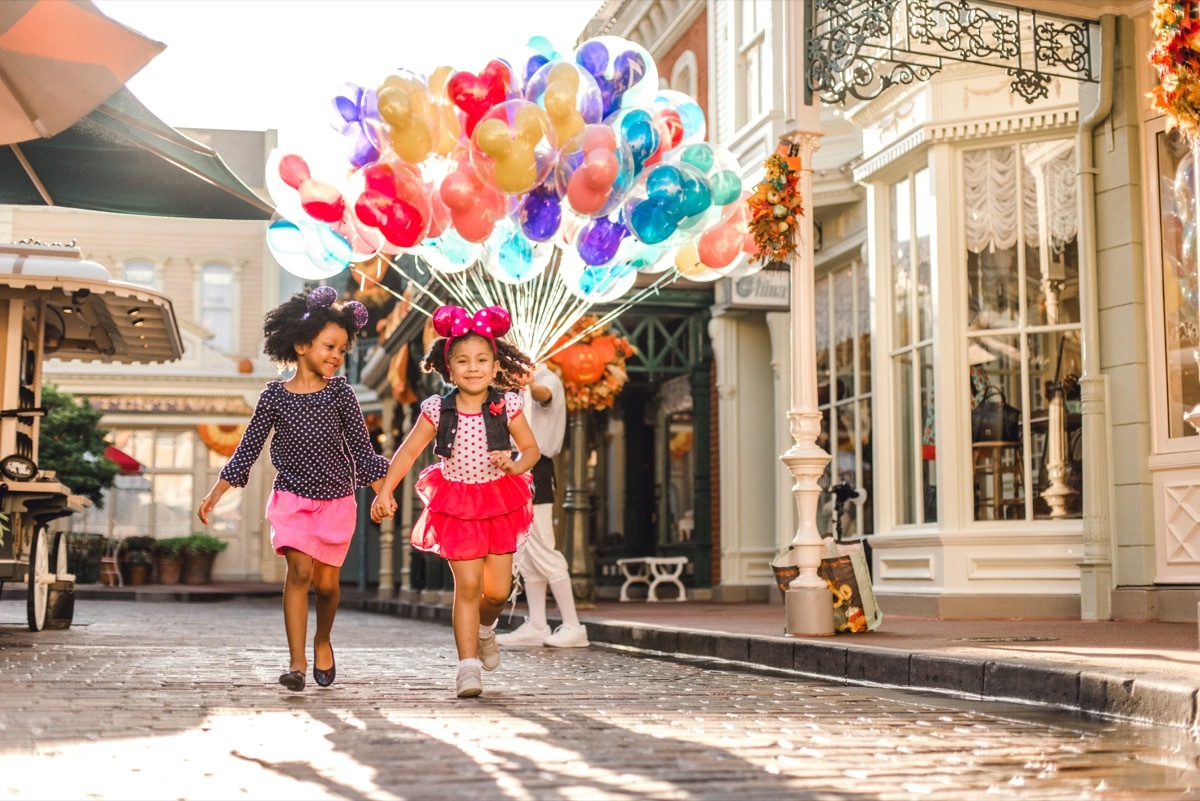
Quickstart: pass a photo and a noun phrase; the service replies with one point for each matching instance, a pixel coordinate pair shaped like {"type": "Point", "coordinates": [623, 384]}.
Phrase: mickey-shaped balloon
{"type": "Point", "coordinates": [475, 95]}
{"type": "Point", "coordinates": [474, 207]}
{"type": "Point", "coordinates": [513, 147]}
{"type": "Point", "coordinates": [319, 200]}
{"type": "Point", "coordinates": [594, 170]}
{"type": "Point", "coordinates": [394, 201]}
{"type": "Point", "coordinates": [412, 116]}
{"type": "Point", "coordinates": [356, 116]}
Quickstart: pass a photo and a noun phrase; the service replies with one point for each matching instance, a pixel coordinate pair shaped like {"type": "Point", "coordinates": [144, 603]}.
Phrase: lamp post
{"type": "Point", "coordinates": [578, 507]}
{"type": "Point", "coordinates": [808, 607]}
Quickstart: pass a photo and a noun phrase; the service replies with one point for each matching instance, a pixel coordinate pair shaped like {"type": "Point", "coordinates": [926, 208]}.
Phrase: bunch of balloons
{"type": "Point", "coordinates": [580, 157]}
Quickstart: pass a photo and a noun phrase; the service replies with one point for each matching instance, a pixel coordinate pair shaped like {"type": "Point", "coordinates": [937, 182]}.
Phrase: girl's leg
{"type": "Point", "coordinates": [326, 582]}
{"type": "Point", "coordinates": [295, 605]}
{"type": "Point", "coordinates": [468, 591]}
{"type": "Point", "coordinates": [497, 584]}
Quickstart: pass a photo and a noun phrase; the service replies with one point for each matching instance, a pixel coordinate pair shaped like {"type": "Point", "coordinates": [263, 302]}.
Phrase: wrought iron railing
{"type": "Point", "coordinates": [862, 47]}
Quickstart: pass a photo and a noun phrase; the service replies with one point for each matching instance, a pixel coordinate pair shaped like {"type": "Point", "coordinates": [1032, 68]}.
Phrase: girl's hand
{"type": "Point", "coordinates": [384, 506]}
{"type": "Point", "coordinates": [503, 461]}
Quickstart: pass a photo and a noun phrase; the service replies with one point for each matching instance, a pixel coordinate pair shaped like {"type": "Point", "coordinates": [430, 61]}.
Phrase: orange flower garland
{"type": "Point", "coordinates": [593, 368]}
{"type": "Point", "coordinates": [1176, 58]}
{"type": "Point", "coordinates": [774, 207]}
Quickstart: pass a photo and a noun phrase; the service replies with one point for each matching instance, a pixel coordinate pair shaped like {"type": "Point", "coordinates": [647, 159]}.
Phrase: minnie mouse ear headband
{"type": "Point", "coordinates": [326, 295]}
{"type": "Point", "coordinates": [455, 321]}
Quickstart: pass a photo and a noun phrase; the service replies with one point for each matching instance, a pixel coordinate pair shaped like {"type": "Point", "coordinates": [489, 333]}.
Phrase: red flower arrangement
{"type": "Point", "coordinates": [774, 207]}
{"type": "Point", "coordinates": [1176, 58]}
{"type": "Point", "coordinates": [593, 368]}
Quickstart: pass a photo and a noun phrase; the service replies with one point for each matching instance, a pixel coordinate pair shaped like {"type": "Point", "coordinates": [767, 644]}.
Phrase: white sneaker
{"type": "Point", "coordinates": [468, 682]}
{"type": "Point", "coordinates": [488, 651]}
{"type": "Point", "coordinates": [568, 637]}
{"type": "Point", "coordinates": [525, 634]}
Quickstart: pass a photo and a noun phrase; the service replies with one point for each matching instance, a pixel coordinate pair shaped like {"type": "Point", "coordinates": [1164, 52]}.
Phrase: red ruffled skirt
{"type": "Point", "coordinates": [469, 521]}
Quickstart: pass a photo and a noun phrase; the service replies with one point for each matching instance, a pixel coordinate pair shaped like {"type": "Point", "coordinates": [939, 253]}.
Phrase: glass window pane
{"type": "Point", "coordinates": [863, 288]}
{"type": "Point", "coordinates": [904, 412]}
{"type": "Point", "coordinates": [899, 249]}
{"type": "Point", "coordinates": [867, 481]}
{"type": "Point", "coordinates": [130, 507]}
{"type": "Point", "coordinates": [173, 450]}
{"type": "Point", "coordinates": [821, 317]}
{"type": "Point", "coordinates": [1181, 298]}
{"type": "Point", "coordinates": [996, 428]}
{"type": "Point", "coordinates": [843, 332]}
{"type": "Point", "coordinates": [923, 217]}
{"type": "Point", "coordinates": [1056, 425]}
{"type": "Point", "coordinates": [1049, 223]}
{"type": "Point", "coordinates": [992, 289]}
{"type": "Point", "coordinates": [173, 505]}
{"type": "Point", "coordinates": [138, 272]}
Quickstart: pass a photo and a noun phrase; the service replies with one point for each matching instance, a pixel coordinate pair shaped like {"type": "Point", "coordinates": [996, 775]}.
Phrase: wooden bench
{"type": "Point", "coordinates": [652, 571]}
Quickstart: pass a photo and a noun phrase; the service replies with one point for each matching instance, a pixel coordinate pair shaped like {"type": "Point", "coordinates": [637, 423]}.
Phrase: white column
{"type": "Point", "coordinates": [779, 324]}
{"type": "Point", "coordinates": [808, 605]}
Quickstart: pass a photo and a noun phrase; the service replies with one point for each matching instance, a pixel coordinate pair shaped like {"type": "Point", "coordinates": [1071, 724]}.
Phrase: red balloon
{"type": "Point", "coordinates": [474, 225]}
{"type": "Point", "coordinates": [322, 201]}
{"type": "Point", "coordinates": [475, 95]}
{"type": "Point", "coordinates": [719, 246]}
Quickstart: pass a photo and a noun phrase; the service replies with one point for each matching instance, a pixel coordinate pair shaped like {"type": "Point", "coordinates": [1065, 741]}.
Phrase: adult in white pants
{"type": "Point", "coordinates": [540, 564]}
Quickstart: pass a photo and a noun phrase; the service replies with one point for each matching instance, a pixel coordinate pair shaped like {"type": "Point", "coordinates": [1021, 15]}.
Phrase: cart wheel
{"type": "Point", "coordinates": [60, 602]}
{"type": "Point", "coordinates": [39, 580]}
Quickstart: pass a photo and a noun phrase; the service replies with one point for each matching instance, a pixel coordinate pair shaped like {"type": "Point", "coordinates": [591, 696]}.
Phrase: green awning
{"type": "Point", "coordinates": [121, 158]}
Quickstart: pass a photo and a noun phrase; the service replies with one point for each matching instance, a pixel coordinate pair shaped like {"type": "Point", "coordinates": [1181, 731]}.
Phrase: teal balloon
{"type": "Point", "coordinates": [726, 187]}
{"type": "Point", "coordinates": [664, 182]}
{"type": "Point", "coordinates": [312, 251]}
{"type": "Point", "coordinates": [516, 256]}
{"type": "Point", "coordinates": [653, 220]}
{"type": "Point", "coordinates": [700, 156]}
{"type": "Point", "coordinates": [696, 197]}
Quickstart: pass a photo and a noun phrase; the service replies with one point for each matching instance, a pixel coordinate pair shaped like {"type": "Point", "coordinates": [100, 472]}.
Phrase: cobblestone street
{"type": "Point", "coordinates": [175, 700]}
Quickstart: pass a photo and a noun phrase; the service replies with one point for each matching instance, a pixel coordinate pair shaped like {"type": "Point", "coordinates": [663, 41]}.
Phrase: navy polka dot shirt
{"type": "Point", "coordinates": [320, 448]}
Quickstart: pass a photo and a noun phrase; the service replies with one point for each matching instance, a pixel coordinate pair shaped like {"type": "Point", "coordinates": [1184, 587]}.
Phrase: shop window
{"type": "Point", "coordinates": [843, 330]}
{"type": "Point", "coordinates": [1023, 334]}
{"type": "Point", "coordinates": [140, 272]}
{"type": "Point", "coordinates": [216, 305]}
{"type": "Point", "coordinates": [752, 21]}
{"type": "Point", "coordinates": [910, 229]}
{"type": "Point", "coordinates": [1176, 168]}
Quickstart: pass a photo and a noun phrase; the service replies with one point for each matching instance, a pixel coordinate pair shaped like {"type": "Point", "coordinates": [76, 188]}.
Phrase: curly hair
{"type": "Point", "coordinates": [514, 364]}
{"type": "Point", "coordinates": [286, 326]}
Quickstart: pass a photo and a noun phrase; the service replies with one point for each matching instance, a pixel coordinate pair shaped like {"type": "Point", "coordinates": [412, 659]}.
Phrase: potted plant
{"type": "Point", "coordinates": [136, 560]}
{"type": "Point", "coordinates": [199, 552]}
{"type": "Point", "coordinates": [168, 559]}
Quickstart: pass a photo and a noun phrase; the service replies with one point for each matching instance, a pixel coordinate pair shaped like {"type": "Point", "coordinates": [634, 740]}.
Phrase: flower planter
{"type": "Point", "coordinates": [197, 567]}
{"type": "Point", "coordinates": [109, 576]}
{"type": "Point", "coordinates": [169, 569]}
{"type": "Point", "coordinates": [136, 575]}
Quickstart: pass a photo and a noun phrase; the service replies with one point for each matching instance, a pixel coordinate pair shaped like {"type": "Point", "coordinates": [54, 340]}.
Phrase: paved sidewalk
{"type": "Point", "coordinates": [1144, 671]}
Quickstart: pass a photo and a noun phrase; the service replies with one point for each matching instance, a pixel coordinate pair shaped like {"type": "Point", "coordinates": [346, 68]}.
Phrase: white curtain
{"type": "Point", "coordinates": [990, 183]}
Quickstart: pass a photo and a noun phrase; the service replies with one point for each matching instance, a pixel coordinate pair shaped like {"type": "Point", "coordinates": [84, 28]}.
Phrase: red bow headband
{"type": "Point", "coordinates": [455, 321]}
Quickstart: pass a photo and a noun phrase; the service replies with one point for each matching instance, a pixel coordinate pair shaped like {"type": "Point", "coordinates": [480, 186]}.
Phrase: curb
{"type": "Point", "coordinates": [1154, 700]}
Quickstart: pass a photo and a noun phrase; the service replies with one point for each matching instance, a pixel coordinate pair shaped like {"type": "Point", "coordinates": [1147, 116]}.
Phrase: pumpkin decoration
{"type": "Point", "coordinates": [592, 369]}
{"type": "Point", "coordinates": [220, 439]}
{"type": "Point", "coordinates": [774, 207]}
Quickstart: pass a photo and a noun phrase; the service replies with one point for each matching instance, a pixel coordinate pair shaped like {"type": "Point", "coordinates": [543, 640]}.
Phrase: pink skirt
{"type": "Point", "coordinates": [320, 529]}
{"type": "Point", "coordinates": [469, 521]}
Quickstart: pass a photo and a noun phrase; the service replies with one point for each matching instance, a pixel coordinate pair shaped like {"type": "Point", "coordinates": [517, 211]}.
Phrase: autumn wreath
{"type": "Point", "coordinates": [1176, 58]}
{"type": "Point", "coordinates": [593, 368]}
{"type": "Point", "coordinates": [774, 206]}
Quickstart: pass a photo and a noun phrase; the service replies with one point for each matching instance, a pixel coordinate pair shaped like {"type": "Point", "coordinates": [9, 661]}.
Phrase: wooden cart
{"type": "Point", "coordinates": [55, 304]}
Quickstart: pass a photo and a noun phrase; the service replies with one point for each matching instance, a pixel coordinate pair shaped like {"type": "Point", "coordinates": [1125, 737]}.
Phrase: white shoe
{"type": "Point", "coordinates": [488, 651]}
{"type": "Point", "coordinates": [468, 682]}
{"type": "Point", "coordinates": [525, 634]}
{"type": "Point", "coordinates": [568, 637]}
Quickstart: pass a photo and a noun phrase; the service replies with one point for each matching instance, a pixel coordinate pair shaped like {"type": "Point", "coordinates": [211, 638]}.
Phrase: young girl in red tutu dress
{"type": "Point", "coordinates": [322, 450]}
{"type": "Point", "coordinates": [478, 497]}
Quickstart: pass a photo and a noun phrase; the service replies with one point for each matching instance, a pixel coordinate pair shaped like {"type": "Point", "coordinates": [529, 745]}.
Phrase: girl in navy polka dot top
{"type": "Point", "coordinates": [478, 498]}
{"type": "Point", "coordinates": [322, 452]}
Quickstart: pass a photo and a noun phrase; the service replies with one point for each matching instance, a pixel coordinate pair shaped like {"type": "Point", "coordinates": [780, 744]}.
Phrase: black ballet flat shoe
{"type": "Point", "coordinates": [325, 677]}
{"type": "Point", "coordinates": [293, 680]}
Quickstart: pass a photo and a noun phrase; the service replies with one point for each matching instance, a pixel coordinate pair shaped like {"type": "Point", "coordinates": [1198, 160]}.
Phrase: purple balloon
{"type": "Point", "coordinates": [593, 57]}
{"type": "Point", "coordinates": [541, 213]}
{"type": "Point", "coordinates": [599, 240]}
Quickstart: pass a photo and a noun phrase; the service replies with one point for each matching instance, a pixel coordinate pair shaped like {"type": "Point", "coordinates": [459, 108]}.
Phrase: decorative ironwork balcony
{"type": "Point", "coordinates": [862, 47]}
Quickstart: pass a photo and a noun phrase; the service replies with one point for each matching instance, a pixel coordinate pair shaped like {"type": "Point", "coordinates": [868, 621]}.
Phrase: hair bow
{"type": "Point", "coordinates": [455, 321]}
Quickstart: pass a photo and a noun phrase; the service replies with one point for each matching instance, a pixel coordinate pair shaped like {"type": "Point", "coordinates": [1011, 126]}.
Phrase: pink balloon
{"type": "Point", "coordinates": [293, 170]}
{"type": "Point", "coordinates": [588, 189]}
{"type": "Point", "coordinates": [718, 247]}
{"type": "Point", "coordinates": [474, 225]}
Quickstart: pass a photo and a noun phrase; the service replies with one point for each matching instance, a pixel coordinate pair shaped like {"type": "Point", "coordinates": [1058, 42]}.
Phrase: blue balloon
{"type": "Point", "coordinates": [696, 197]}
{"type": "Point", "coordinates": [637, 128]}
{"type": "Point", "coordinates": [665, 182]}
{"type": "Point", "coordinates": [593, 57]}
{"type": "Point", "coordinates": [599, 239]}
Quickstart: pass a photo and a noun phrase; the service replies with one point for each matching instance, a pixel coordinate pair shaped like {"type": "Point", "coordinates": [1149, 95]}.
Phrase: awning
{"type": "Point", "coordinates": [87, 315]}
{"type": "Point", "coordinates": [121, 158]}
{"type": "Point", "coordinates": [127, 464]}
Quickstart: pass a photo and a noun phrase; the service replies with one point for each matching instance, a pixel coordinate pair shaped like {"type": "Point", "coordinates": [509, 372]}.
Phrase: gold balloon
{"type": "Point", "coordinates": [517, 173]}
{"type": "Point", "coordinates": [494, 138]}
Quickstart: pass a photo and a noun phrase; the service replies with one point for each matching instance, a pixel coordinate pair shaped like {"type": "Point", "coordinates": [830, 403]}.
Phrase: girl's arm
{"type": "Point", "coordinates": [210, 500]}
{"type": "Point", "coordinates": [402, 461]}
{"type": "Point", "coordinates": [369, 467]}
{"type": "Point", "coordinates": [522, 435]}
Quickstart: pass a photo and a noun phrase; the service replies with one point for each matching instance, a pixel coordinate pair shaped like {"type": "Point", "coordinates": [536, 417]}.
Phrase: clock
{"type": "Point", "coordinates": [18, 468]}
